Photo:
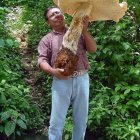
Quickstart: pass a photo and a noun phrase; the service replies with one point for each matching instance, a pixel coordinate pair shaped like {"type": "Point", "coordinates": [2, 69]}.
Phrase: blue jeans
{"type": "Point", "coordinates": [74, 91]}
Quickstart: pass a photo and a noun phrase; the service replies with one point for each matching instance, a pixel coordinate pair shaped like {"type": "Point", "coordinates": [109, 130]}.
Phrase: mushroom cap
{"type": "Point", "coordinates": [101, 10]}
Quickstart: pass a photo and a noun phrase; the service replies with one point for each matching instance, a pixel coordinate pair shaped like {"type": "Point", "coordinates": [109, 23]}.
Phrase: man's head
{"type": "Point", "coordinates": [54, 17]}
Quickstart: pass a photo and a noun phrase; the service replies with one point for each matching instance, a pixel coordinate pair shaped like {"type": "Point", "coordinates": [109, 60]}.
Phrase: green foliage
{"type": "Point", "coordinates": [11, 94]}
{"type": "Point", "coordinates": [36, 15]}
{"type": "Point", "coordinates": [68, 128]}
{"type": "Point", "coordinates": [115, 78]}
{"type": "Point", "coordinates": [16, 111]}
{"type": "Point", "coordinates": [128, 129]}
{"type": "Point", "coordinates": [43, 83]}
{"type": "Point", "coordinates": [3, 11]}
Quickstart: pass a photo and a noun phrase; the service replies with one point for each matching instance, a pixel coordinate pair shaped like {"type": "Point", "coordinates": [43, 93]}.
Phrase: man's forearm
{"type": "Point", "coordinates": [53, 71]}
{"type": "Point", "coordinates": [90, 42]}
{"type": "Point", "coordinates": [46, 68]}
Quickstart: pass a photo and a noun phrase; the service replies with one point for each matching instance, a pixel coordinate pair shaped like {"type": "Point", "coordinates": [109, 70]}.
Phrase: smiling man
{"type": "Point", "coordinates": [66, 90]}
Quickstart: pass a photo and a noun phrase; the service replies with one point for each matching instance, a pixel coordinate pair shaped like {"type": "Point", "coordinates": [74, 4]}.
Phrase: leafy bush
{"type": "Point", "coordinates": [16, 110]}
{"type": "Point", "coordinates": [115, 78]}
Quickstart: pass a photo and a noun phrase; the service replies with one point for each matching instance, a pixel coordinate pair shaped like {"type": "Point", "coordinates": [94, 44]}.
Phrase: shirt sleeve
{"type": "Point", "coordinates": [44, 50]}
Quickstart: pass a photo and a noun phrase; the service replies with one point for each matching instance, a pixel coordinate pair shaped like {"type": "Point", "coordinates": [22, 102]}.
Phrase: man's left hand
{"type": "Point", "coordinates": [85, 23]}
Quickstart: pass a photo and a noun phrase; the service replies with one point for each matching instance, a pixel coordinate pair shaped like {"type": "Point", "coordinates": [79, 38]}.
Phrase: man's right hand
{"type": "Point", "coordinates": [53, 71]}
{"type": "Point", "coordinates": [58, 73]}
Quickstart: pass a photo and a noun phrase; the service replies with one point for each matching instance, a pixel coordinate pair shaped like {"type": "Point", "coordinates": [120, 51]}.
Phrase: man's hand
{"type": "Point", "coordinates": [85, 23]}
{"type": "Point", "coordinates": [58, 73]}
{"type": "Point", "coordinates": [89, 40]}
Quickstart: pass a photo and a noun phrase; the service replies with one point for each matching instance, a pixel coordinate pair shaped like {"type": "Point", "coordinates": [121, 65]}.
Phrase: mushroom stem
{"type": "Point", "coordinates": [73, 34]}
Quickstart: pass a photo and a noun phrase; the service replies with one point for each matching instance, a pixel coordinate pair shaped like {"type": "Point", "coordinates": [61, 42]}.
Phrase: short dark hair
{"type": "Point", "coordinates": [47, 10]}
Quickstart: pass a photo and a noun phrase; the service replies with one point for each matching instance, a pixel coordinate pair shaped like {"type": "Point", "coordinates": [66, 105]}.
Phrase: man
{"type": "Point", "coordinates": [66, 90]}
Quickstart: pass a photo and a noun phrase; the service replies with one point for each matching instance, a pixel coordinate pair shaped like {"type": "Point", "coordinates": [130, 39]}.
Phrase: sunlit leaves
{"type": "Point", "coordinates": [9, 128]}
{"type": "Point", "coordinates": [21, 123]}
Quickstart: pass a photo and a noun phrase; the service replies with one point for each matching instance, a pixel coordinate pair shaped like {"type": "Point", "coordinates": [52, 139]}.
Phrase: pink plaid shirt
{"type": "Point", "coordinates": [49, 47]}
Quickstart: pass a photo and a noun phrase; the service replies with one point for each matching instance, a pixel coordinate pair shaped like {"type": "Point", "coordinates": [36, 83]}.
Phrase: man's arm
{"type": "Point", "coordinates": [89, 40]}
{"type": "Point", "coordinates": [44, 58]}
{"type": "Point", "coordinates": [46, 68]}
{"type": "Point", "coordinates": [53, 71]}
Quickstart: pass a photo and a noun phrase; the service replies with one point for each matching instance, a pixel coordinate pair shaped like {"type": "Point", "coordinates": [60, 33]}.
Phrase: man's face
{"type": "Point", "coordinates": [55, 17]}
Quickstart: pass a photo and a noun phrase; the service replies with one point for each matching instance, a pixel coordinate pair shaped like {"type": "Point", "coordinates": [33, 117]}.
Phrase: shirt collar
{"type": "Point", "coordinates": [66, 28]}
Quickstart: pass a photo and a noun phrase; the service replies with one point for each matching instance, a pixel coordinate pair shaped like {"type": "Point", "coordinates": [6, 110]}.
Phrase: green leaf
{"type": "Point", "coordinates": [3, 82]}
{"type": "Point", "coordinates": [21, 124]}
{"type": "Point", "coordinates": [9, 128]}
{"type": "Point", "coordinates": [23, 117]}
{"type": "Point", "coordinates": [117, 88]}
{"type": "Point", "coordinates": [132, 138]}
{"type": "Point", "coordinates": [127, 91]}
{"type": "Point", "coordinates": [126, 45]}
{"type": "Point", "coordinates": [2, 43]}
{"type": "Point", "coordinates": [10, 42]}
{"type": "Point", "coordinates": [7, 9]}
{"type": "Point", "coordinates": [137, 134]}
{"type": "Point", "coordinates": [1, 8]}
{"type": "Point", "coordinates": [139, 118]}
{"type": "Point", "coordinates": [105, 50]}
{"type": "Point", "coordinates": [135, 88]}
{"type": "Point", "coordinates": [1, 129]}
{"type": "Point", "coordinates": [133, 102]}
{"type": "Point", "coordinates": [2, 98]}
{"type": "Point", "coordinates": [5, 115]}
{"type": "Point", "coordinates": [18, 133]}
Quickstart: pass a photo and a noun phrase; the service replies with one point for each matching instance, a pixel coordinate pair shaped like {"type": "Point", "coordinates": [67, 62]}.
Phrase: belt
{"type": "Point", "coordinates": [78, 73]}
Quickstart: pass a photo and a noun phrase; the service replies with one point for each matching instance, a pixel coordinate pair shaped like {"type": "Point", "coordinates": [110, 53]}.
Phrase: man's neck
{"type": "Point", "coordinates": [60, 30]}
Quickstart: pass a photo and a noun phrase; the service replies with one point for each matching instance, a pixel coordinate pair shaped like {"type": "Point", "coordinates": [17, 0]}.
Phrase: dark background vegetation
{"type": "Point", "coordinates": [114, 109]}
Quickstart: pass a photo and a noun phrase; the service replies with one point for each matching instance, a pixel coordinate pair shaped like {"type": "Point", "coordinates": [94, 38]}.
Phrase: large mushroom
{"type": "Point", "coordinates": [95, 10]}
